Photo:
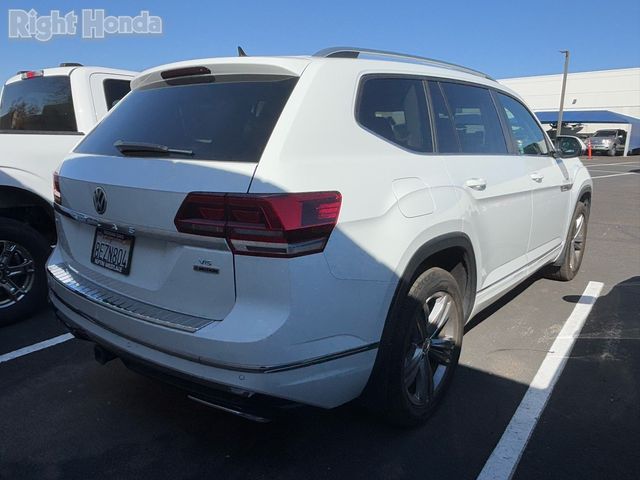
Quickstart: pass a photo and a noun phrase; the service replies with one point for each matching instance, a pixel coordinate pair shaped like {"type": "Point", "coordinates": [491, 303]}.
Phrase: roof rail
{"type": "Point", "coordinates": [354, 52]}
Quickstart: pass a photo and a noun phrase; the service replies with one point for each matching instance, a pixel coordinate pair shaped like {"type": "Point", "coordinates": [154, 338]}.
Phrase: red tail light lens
{"type": "Point", "coordinates": [276, 225]}
{"type": "Point", "coordinates": [57, 195]}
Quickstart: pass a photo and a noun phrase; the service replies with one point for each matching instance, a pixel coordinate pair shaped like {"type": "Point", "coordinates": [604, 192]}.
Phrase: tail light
{"type": "Point", "coordinates": [271, 225]}
{"type": "Point", "coordinates": [57, 195]}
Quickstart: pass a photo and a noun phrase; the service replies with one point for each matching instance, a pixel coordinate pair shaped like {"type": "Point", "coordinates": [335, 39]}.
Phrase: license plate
{"type": "Point", "coordinates": [112, 250]}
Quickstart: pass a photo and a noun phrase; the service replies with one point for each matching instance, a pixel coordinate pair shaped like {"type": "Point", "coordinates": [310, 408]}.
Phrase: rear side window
{"type": "Point", "coordinates": [396, 109]}
{"type": "Point", "coordinates": [475, 118]}
{"type": "Point", "coordinates": [217, 120]}
{"type": "Point", "coordinates": [114, 90]}
{"type": "Point", "coordinates": [40, 104]}
{"type": "Point", "coordinates": [527, 135]}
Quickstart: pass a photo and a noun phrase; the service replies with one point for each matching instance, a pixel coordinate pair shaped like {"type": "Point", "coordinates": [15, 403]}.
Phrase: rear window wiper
{"type": "Point", "coordinates": [132, 148]}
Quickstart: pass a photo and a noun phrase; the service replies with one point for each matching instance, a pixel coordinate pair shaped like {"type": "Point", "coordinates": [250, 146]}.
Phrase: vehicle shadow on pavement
{"type": "Point", "coordinates": [593, 413]}
{"type": "Point", "coordinates": [113, 423]}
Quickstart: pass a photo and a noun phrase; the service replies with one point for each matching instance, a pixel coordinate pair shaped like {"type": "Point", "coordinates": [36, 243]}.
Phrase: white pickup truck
{"type": "Point", "coordinates": [43, 115]}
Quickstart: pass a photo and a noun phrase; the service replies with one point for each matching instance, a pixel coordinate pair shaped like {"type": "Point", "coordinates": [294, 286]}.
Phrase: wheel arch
{"type": "Point", "coordinates": [428, 255]}
{"type": "Point", "coordinates": [445, 251]}
{"type": "Point", "coordinates": [584, 195]}
{"type": "Point", "coordinates": [25, 206]}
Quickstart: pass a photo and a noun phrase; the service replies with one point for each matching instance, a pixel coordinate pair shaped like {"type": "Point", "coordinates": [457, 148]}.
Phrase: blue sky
{"type": "Point", "coordinates": [502, 38]}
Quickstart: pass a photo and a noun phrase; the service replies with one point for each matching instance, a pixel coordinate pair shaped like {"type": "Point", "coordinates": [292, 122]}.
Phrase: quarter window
{"type": "Point", "coordinates": [114, 90]}
{"type": "Point", "coordinates": [527, 135]}
{"type": "Point", "coordinates": [396, 110]}
{"type": "Point", "coordinates": [475, 118]}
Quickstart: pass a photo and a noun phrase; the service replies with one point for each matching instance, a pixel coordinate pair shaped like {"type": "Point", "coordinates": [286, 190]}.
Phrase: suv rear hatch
{"type": "Point", "coordinates": [120, 191]}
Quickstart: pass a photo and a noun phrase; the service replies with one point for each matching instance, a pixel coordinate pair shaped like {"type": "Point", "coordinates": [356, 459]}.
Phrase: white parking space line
{"type": "Point", "coordinates": [607, 171]}
{"type": "Point", "coordinates": [610, 164]}
{"type": "Point", "coordinates": [504, 459]}
{"type": "Point", "coordinates": [615, 175]}
{"type": "Point", "coordinates": [35, 347]}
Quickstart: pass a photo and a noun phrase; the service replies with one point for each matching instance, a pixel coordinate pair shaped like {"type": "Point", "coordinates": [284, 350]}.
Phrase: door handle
{"type": "Point", "coordinates": [476, 183]}
{"type": "Point", "coordinates": [536, 177]}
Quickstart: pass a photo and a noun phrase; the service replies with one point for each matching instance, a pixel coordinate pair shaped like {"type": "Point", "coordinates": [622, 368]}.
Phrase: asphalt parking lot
{"type": "Point", "coordinates": [66, 416]}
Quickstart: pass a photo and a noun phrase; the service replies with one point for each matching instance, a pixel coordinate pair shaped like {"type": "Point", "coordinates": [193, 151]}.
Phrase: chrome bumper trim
{"type": "Point", "coordinates": [213, 243]}
{"type": "Point", "coordinates": [93, 292]}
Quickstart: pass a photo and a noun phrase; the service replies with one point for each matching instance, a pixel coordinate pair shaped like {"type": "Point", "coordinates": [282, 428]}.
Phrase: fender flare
{"type": "Point", "coordinates": [428, 250]}
{"type": "Point", "coordinates": [586, 188]}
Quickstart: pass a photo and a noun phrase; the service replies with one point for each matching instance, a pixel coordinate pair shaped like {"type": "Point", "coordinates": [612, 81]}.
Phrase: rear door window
{"type": "Point", "coordinates": [395, 109]}
{"type": "Point", "coordinates": [526, 133]}
{"type": "Point", "coordinates": [39, 104]}
{"type": "Point", "coordinates": [475, 118]}
{"type": "Point", "coordinates": [228, 120]}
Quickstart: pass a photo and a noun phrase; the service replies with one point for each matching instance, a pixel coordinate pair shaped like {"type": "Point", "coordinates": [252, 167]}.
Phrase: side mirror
{"type": "Point", "coordinates": [568, 147]}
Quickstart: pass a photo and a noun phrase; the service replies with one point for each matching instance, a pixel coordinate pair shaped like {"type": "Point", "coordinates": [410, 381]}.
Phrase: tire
{"type": "Point", "coordinates": [575, 246]}
{"type": "Point", "coordinates": [612, 151]}
{"type": "Point", "coordinates": [23, 283]}
{"type": "Point", "coordinates": [416, 360]}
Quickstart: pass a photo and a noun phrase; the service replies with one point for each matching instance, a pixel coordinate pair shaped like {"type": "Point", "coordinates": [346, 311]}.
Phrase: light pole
{"type": "Point", "coordinates": [564, 86]}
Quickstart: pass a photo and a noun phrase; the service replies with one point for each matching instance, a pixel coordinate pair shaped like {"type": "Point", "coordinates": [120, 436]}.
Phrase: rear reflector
{"type": "Point", "coordinates": [57, 196]}
{"type": "Point", "coordinates": [272, 225]}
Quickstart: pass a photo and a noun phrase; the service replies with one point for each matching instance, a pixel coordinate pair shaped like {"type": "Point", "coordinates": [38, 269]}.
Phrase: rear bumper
{"type": "Point", "coordinates": [246, 404]}
{"type": "Point", "coordinates": [324, 381]}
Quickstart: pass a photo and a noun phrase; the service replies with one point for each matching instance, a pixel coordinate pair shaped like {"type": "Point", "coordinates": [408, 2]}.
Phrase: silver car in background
{"type": "Point", "coordinates": [609, 141]}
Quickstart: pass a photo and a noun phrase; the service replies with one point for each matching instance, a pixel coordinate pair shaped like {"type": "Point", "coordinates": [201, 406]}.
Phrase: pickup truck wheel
{"type": "Point", "coordinates": [574, 246]}
{"type": "Point", "coordinates": [422, 354]}
{"type": "Point", "coordinates": [23, 284]}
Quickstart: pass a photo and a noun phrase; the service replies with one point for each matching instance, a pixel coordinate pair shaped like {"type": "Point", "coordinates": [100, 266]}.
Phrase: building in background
{"type": "Point", "coordinates": [615, 91]}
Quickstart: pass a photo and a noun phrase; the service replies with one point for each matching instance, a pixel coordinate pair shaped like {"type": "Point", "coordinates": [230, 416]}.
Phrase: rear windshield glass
{"type": "Point", "coordinates": [223, 120]}
{"type": "Point", "coordinates": [605, 133]}
{"type": "Point", "coordinates": [40, 104]}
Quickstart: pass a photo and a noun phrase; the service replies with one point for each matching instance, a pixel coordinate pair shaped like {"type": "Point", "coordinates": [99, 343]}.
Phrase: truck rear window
{"type": "Point", "coordinates": [220, 120]}
{"type": "Point", "coordinates": [40, 104]}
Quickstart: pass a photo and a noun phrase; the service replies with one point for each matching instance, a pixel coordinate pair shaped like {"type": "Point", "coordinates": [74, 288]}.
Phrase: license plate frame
{"type": "Point", "coordinates": [114, 260]}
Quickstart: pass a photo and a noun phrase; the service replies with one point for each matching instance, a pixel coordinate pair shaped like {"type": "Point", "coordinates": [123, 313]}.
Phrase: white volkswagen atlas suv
{"type": "Point", "coordinates": [269, 231]}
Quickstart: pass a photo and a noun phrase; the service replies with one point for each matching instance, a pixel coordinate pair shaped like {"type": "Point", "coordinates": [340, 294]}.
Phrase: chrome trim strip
{"type": "Point", "coordinates": [122, 304]}
{"type": "Point", "coordinates": [234, 411]}
{"type": "Point", "coordinates": [143, 231]}
{"type": "Point", "coordinates": [284, 367]}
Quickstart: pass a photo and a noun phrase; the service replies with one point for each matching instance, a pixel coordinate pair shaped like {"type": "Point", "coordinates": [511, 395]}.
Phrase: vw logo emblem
{"type": "Point", "coordinates": [100, 200]}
